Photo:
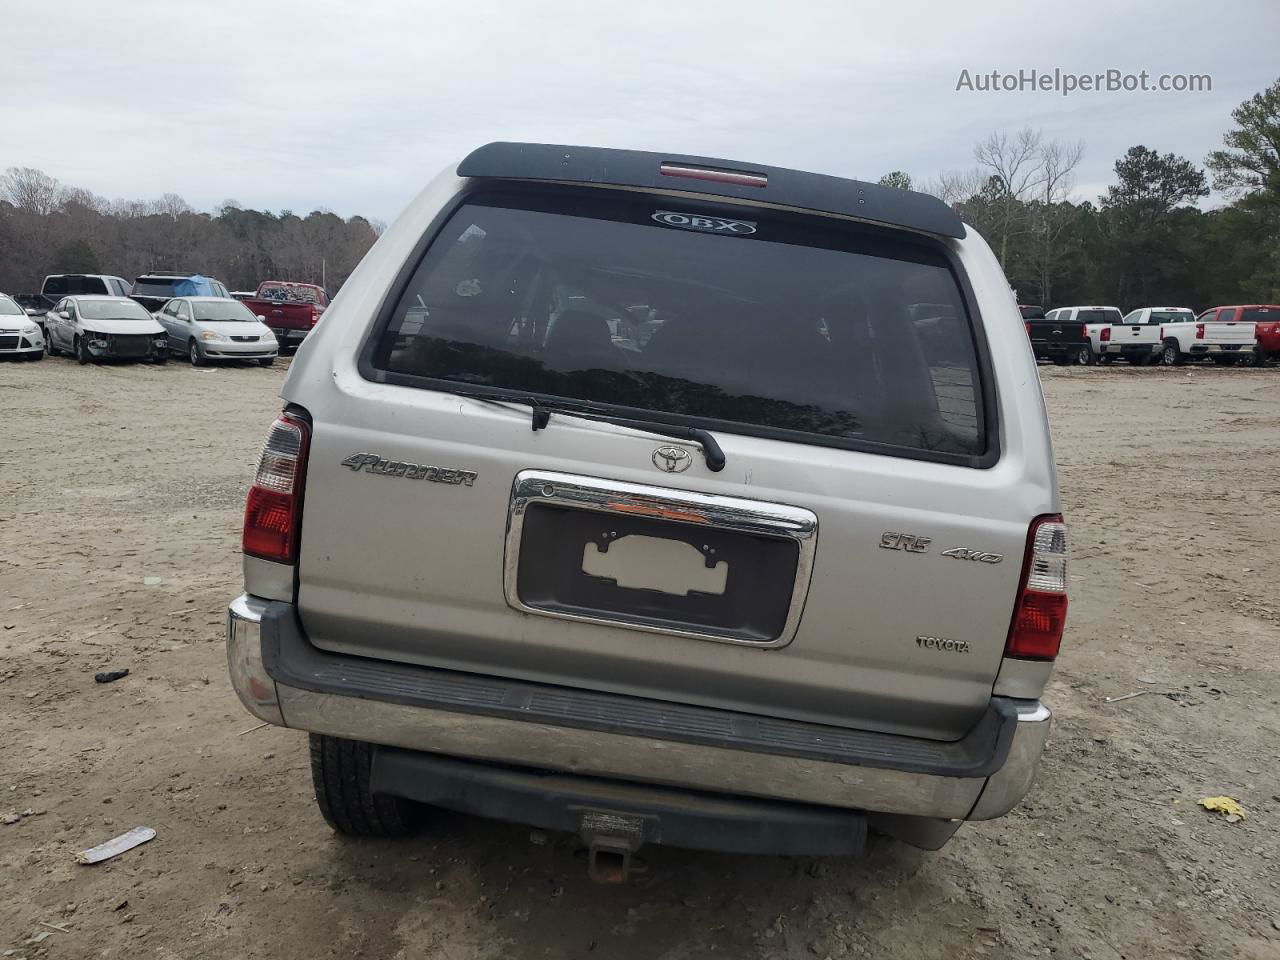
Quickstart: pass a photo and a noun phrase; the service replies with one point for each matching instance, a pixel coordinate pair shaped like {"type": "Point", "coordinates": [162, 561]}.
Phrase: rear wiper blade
{"type": "Point", "coordinates": [542, 410]}
{"type": "Point", "coordinates": [711, 451]}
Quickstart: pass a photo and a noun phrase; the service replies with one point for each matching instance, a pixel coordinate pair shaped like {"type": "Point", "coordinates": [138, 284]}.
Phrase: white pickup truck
{"type": "Point", "coordinates": [1185, 336]}
{"type": "Point", "coordinates": [1109, 334]}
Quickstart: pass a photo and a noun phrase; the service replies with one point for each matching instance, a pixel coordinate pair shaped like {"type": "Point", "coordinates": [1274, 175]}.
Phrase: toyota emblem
{"type": "Point", "coordinates": [670, 459]}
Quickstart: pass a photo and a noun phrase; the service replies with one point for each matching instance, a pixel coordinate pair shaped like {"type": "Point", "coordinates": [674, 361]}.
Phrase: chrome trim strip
{"type": "Point", "coordinates": [608, 496]}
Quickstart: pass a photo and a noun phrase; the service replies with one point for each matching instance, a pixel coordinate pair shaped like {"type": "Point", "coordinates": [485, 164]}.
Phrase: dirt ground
{"type": "Point", "coordinates": [115, 476]}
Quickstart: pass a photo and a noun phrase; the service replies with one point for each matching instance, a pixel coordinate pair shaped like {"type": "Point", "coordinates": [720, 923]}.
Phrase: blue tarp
{"type": "Point", "coordinates": [196, 286]}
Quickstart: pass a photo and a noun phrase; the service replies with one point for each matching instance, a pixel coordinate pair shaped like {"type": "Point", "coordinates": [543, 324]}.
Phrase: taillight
{"type": "Point", "coordinates": [741, 178]}
{"type": "Point", "coordinates": [315, 315]}
{"type": "Point", "coordinates": [1105, 335]}
{"type": "Point", "coordinates": [1028, 326]}
{"type": "Point", "coordinates": [1084, 332]}
{"type": "Point", "coordinates": [1162, 333]}
{"type": "Point", "coordinates": [273, 513]}
{"type": "Point", "coordinates": [1041, 611]}
{"type": "Point", "coordinates": [1199, 331]}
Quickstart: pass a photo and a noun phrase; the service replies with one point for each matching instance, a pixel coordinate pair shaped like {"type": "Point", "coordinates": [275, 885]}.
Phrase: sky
{"type": "Point", "coordinates": [353, 107]}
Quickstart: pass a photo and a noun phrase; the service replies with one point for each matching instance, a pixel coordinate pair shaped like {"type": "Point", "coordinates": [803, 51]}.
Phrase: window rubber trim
{"type": "Point", "coordinates": [988, 420]}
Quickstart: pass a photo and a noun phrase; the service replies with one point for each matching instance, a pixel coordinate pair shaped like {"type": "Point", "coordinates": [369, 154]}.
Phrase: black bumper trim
{"type": "Point", "coordinates": [291, 659]}
{"type": "Point", "coordinates": [565, 802]}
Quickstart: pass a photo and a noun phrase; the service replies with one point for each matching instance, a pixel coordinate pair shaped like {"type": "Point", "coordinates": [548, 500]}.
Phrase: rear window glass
{"type": "Point", "coordinates": [1031, 313]}
{"type": "Point", "coordinates": [154, 288]}
{"type": "Point", "coordinates": [1171, 316]}
{"type": "Point", "coordinates": [843, 335]}
{"type": "Point", "coordinates": [1261, 314]}
{"type": "Point", "coordinates": [1098, 316]}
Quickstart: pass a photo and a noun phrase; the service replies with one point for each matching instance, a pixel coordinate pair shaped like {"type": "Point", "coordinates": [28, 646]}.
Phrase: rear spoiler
{"type": "Point", "coordinates": [705, 175]}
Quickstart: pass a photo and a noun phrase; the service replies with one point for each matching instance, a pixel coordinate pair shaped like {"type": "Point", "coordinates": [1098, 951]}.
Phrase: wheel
{"type": "Point", "coordinates": [266, 361]}
{"type": "Point", "coordinates": [1259, 356]}
{"type": "Point", "coordinates": [82, 351]}
{"type": "Point", "coordinates": [1085, 357]}
{"type": "Point", "coordinates": [194, 355]}
{"type": "Point", "coordinates": [49, 347]}
{"type": "Point", "coordinates": [340, 772]}
{"type": "Point", "coordinates": [1171, 355]}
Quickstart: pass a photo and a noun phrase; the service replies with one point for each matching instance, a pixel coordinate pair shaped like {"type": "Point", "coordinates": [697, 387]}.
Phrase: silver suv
{"type": "Point", "coordinates": [661, 499]}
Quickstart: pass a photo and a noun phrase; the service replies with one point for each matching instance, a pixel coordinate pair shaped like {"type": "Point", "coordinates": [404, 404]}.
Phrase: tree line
{"type": "Point", "coordinates": [47, 227]}
{"type": "Point", "coordinates": [1143, 242]}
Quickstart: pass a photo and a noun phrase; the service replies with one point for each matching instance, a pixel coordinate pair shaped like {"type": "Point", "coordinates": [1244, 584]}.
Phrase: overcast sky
{"type": "Point", "coordinates": [354, 106]}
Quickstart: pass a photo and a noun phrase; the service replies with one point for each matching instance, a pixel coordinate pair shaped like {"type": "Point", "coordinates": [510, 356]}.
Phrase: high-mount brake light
{"type": "Point", "coordinates": [740, 177]}
{"type": "Point", "coordinates": [273, 511]}
{"type": "Point", "coordinates": [1041, 611]}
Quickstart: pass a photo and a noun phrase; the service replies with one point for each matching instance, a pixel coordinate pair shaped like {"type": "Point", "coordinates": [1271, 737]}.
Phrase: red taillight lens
{"type": "Point", "coordinates": [273, 513]}
{"type": "Point", "coordinates": [1199, 331]}
{"type": "Point", "coordinates": [1105, 335]}
{"type": "Point", "coordinates": [1162, 333]}
{"type": "Point", "coordinates": [1028, 326]}
{"type": "Point", "coordinates": [1041, 612]}
{"type": "Point", "coordinates": [315, 315]}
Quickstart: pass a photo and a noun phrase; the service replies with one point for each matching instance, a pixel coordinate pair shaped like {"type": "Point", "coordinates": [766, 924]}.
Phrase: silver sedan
{"type": "Point", "coordinates": [216, 328]}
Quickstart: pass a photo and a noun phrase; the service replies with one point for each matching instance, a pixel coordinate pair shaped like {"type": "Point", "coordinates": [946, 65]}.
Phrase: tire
{"type": "Point", "coordinates": [1259, 356]}
{"type": "Point", "coordinates": [49, 347]}
{"type": "Point", "coordinates": [340, 772]}
{"type": "Point", "coordinates": [1084, 357]}
{"type": "Point", "coordinates": [266, 361]}
{"type": "Point", "coordinates": [1171, 355]}
{"type": "Point", "coordinates": [82, 351]}
{"type": "Point", "coordinates": [194, 355]}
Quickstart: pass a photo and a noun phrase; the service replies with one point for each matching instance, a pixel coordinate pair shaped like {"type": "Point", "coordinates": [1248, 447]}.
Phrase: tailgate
{"type": "Point", "coordinates": [278, 315]}
{"type": "Point", "coordinates": [815, 577]}
{"type": "Point", "coordinates": [1231, 331]}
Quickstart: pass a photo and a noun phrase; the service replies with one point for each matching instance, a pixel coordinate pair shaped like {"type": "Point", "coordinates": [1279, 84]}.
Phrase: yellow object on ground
{"type": "Point", "coordinates": [1228, 806]}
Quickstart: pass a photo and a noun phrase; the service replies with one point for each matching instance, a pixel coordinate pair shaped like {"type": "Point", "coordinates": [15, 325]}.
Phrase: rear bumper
{"type": "Point", "coordinates": [1201, 349]}
{"type": "Point", "coordinates": [282, 679]}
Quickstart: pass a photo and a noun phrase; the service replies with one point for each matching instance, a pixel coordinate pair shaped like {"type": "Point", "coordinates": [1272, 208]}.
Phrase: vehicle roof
{"type": "Point", "coordinates": [100, 296]}
{"type": "Point", "coordinates": [209, 299]}
{"type": "Point", "coordinates": [1243, 306]}
{"type": "Point", "coordinates": [104, 276]}
{"type": "Point", "coordinates": [772, 185]}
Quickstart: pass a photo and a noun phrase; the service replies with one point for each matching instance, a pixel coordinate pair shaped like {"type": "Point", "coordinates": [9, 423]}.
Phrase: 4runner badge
{"type": "Point", "coordinates": [372, 463]}
{"type": "Point", "coordinates": [698, 221]}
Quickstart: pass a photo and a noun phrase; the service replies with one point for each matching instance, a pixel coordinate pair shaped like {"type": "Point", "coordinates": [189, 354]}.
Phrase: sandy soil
{"type": "Point", "coordinates": [118, 474]}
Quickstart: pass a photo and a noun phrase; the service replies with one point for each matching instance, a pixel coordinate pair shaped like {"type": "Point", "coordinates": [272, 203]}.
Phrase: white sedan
{"type": "Point", "coordinates": [98, 328]}
{"type": "Point", "coordinates": [19, 334]}
{"type": "Point", "coordinates": [216, 328]}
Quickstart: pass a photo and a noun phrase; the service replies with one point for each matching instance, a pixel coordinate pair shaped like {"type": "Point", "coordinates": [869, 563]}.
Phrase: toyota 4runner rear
{"type": "Point", "coordinates": [661, 499]}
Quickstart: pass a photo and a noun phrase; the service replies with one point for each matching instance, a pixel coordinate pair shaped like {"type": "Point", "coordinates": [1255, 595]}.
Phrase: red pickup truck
{"type": "Point", "coordinates": [1266, 318]}
{"type": "Point", "coordinates": [289, 309]}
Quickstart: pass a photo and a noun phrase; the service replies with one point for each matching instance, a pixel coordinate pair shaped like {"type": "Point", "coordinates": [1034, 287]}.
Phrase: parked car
{"type": "Point", "coordinates": [154, 290]}
{"type": "Point", "coordinates": [59, 285]}
{"type": "Point", "coordinates": [1266, 328]}
{"type": "Point", "coordinates": [791, 567]}
{"type": "Point", "coordinates": [290, 309]}
{"type": "Point", "coordinates": [1063, 335]}
{"type": "Point", "coordinates": [100, 328]}
{"type": "Point", "coordinates": [1136, 338]}
{"type": "Point", "coordinates": [1221, 338]}
{"type": "Point", "coordinates": [205, 329]}
{"type": "Point", "coordinates": [20, 335]}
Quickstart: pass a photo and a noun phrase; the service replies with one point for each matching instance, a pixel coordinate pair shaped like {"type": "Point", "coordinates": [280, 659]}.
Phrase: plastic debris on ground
{"type": "Point", "coordinates": [1229, 807]}
{"type": "Point", "coordinates": [110, 676]}
{"type": "Point", "coordinates": [116, 846]}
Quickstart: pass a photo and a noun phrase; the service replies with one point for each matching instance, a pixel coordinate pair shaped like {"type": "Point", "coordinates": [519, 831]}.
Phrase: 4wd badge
{"type": "Point", "coordinates": [700, 221]}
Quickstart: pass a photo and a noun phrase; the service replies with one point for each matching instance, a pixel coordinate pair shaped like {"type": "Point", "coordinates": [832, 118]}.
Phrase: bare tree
{"type": "Point", "coordinates": [31, 190]}
{"type": "Point", "coordinates": [1050, 213]}
{"type": "Point", "coordinates": [1015, 165]}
